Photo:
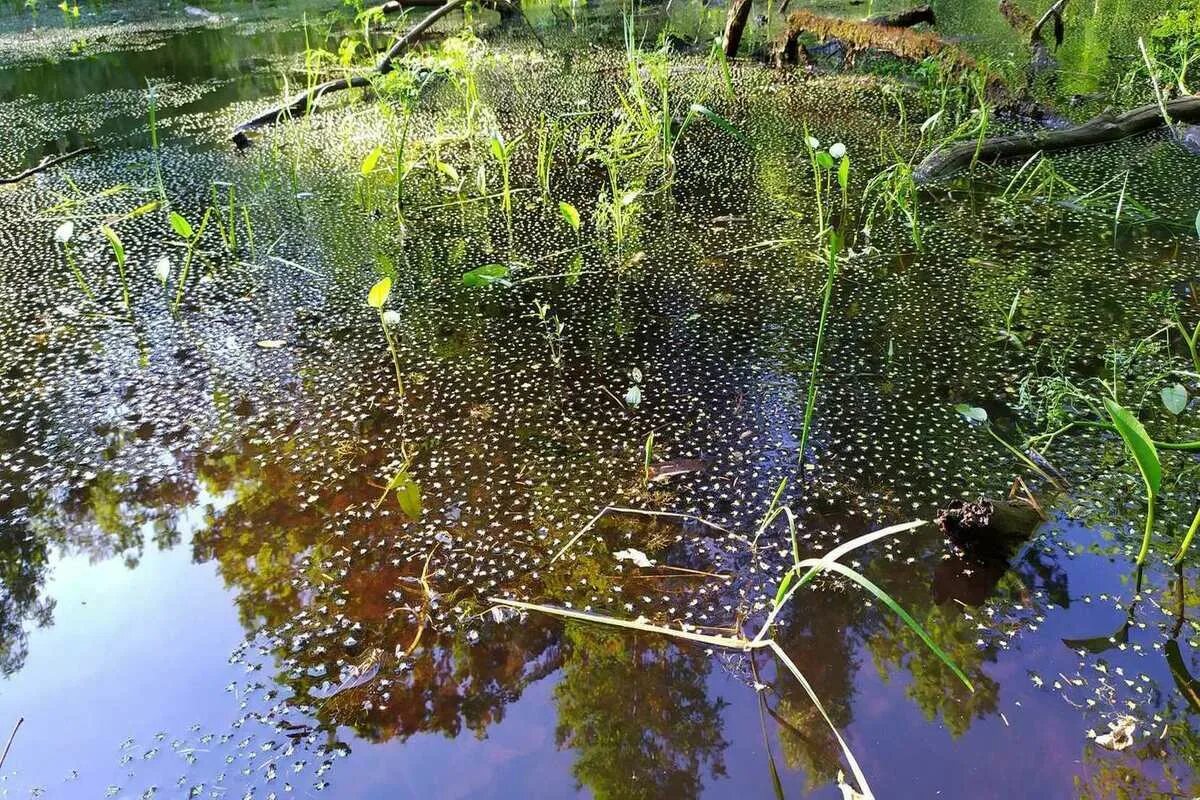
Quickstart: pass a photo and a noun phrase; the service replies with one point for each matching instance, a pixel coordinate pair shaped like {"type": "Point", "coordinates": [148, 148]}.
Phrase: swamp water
{"type": "Point", "coordinates": [203, 595]}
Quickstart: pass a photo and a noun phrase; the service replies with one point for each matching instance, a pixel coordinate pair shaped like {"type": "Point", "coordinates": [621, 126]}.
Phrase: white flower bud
{"type": "Point", "coordinates": [391, 318]}
{"type": "Point", "coordinates": [64, 232]}
{"type": "Point", "coordinates": [162, 270]}
{"type": "Point", "coordinates": [837, 150]}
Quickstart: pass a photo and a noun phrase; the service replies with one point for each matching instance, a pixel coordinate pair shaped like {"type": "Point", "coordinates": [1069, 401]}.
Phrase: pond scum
{"type": "Point", "coordinates": [569, 372]}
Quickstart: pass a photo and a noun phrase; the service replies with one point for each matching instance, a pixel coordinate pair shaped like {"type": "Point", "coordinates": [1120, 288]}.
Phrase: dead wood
{"type": "Point", "coordinates": [865, 35]}
{"type": "Point", "coordinates": [735, 24]}
{"type": "Point", "coordinates": [1107, 127]}
{"type": "Point", "coordinates": [47, 163]}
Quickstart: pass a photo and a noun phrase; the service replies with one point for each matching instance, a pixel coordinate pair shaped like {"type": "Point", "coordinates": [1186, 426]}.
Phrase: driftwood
{"type": "Point", "coordinates": [735, 24]}
{"type": "Point", "coordinates": [47, 163]}
{"type": "Point", "coordinates": [1107, 127]}
{"type": "Point", "coordinates": [302, 103]}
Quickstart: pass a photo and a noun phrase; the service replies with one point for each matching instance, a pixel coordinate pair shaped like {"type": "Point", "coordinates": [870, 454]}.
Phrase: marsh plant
{"type": "Point", "coordinates": [552, 331]}
{"type": "Point", "coordinates": [118, 251]}
{"type": "Point", "coordinates": [377, 298]}
{"type": "Point", "coordinates": [63, 236]}
{"type": "Point", "coordinates": [800, 574]}
{"type": "Point", "coordinates": [191, 240]}
{"type": "Point", "coordinates": [152, 119]}
{"type": "Point", "coordinates": [502, 151]}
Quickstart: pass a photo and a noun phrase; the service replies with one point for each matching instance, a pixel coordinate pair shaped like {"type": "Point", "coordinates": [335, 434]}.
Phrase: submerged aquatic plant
{"type": "Point", "coordinates": [152, 117]}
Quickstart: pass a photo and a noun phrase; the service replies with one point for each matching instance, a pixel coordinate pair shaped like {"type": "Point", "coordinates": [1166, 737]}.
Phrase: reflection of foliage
{"type": "Point", "coordinates": [22, 571]}
{"type": "Point", "coordinates": [637, 712]}
{"type": "Point", "coordinates": [933, 687]}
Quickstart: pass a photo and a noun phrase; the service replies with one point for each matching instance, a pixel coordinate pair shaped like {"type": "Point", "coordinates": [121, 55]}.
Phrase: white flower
{"type": "Point", "coordinates": [162, 270]}
{"type": "Point", "coordinates": [837, 150]}
{"type": "Point", "coordinates": [64, 232]}
{"type": "Point", "coordinates": [812, 142]}
{"type": "Point", "coordinates": [391, 318]}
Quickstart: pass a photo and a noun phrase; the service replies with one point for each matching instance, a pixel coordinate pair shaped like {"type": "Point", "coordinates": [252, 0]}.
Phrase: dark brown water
{"type": "Point", "coordinates": [201, 596]}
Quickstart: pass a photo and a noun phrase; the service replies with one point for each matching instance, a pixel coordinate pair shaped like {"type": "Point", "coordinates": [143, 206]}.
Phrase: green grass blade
{"type": "Point", "coordinates": [896, 608]}
{"type": "Point", "coordinates": [1187, 540]}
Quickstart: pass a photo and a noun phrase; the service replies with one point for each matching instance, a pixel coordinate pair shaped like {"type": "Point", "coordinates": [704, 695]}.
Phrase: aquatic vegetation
{"type": "Point", "coordinates": [803, 572]}
{"type": "Point", "coordinates": [1145, 455]}
{"type": "Point", "coordinates": [118, 251]}
{"type": "Point", "coordinates": [63, 235]}
{"type": "Point", "coordinates": [377, 298]}
{"type": "Point", "coordinates": [191, 239]}
{"type": "Point", "coordinates": [152, 120]}
{"type": "Point", "coordinates": [502, 151]}
{"type": "Point", "coordinates": [552, 331]}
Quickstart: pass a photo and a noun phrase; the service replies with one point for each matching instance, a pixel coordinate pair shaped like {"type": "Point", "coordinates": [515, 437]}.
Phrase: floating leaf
{"type": "Point", "coordinates": [1174, 398]}
{"type": "Point", "coordinates": [379, 293]}
{"type": "Point", "coordinates": [972, 413]}
{"type": "Point", "coordinates": [372, 159]}
{"type": "Point", "coordinates": [570, 214]}
{"type": "Point", "coordinates": [1139, 444]}
{"type": "Point", "coordinates": [181, 225]}
{"type": "Point", "coordinates": [486, 275]}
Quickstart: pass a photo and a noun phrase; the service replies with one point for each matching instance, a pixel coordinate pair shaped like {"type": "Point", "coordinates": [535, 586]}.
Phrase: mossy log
{"type": "Point", "coordinates": [870, 34]}
{"type": "Point", "coordinates": [1107, 127]}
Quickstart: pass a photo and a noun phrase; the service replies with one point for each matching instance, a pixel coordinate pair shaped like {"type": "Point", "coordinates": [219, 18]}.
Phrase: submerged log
{"type": "Point", "coordinates": [47, 163]}
{"type": "Point", "coordinates": [1107, 127]}
{"type": "Point", "coordinates": [988, 524]}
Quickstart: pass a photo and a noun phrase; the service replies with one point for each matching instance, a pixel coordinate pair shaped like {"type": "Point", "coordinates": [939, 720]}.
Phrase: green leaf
{"type": "Point", "coordinates": [1175, 398]}
{"type": "Point", "coordinates": [408, 495]}
{"type": "Point", "coordinates": [575, 270]}
{"type": "Point", "coordinates": [570, 214]}
{"type": "Point", "coordinates": [368, 164]}
{"type": "Point", "coordinates": [485, 275]}
{"type": "Point", "coordinates": [824, 160]}
{"type": "Point", "coordinates": [496, 144]}
{"type": "Point", "coordinates": [450, 172]}
{"type": "Point", "coordinates": [844, 172]}
{"type": "Point", "coordinates": [972, 413]}
{"type": "Point", "coordinates": [181, 225]}
{"type": "Point", "coordinates": [114, 242]}
{"type": "Point", "coordinates": [718, 120]}
{"type": "Point", "coordinates": [1198, 223]}
{"type": "Point", "coordinates": [379, 293]}
{"type": "Point", "coordinates": [1139, 444]}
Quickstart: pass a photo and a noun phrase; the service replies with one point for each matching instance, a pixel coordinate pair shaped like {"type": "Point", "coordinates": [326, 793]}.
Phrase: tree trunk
{"type": "Point", "coordinates": [735, 23]}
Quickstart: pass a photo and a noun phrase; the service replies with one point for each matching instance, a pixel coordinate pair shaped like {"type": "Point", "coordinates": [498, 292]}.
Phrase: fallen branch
{"type": "Point", "coordinates": [48, 162]}
{"type": "Point", "coordinates": [12, 736]}
{"type": "Point", "coordinates": [1107, 127]}
{"type": "Point", "coordinates": [303, 102]}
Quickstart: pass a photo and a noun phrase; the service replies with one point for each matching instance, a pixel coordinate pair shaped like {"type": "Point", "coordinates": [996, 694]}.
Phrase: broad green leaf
{"type": "Point", "coordinates": [496, 143]}
{"type": "Point", "coordinates": [575, 270]}
{"type": "Point", "coordinates": [372, 159]}
{"type": "Point", "coordinates": [379, 293]}
{"type": "Point", "coordinates": [844, 172]}
{"type": "Point", "coordinates": [824, 160]}
{"type": "Point", "coordinates": [972, 413]}
{"type": "Point", "coordinates": [1174, 398]}
{"type": "Point", "coordinates": [718, 120]}
{"type": "Point", "coordinates": [115, 243]}
{"type": "Point", "coordinates": [449, 171]}
{"type": "Point", "coordinates": [181, 225]}
{"type": "Point", "coordinates": [1139, 444]}
{"type": "Point", "coordinates": [408, 495]}
{"type": "Point", "coordinates": [570, 214]}
{"type": "Point", "coordinates": [485, 275]}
